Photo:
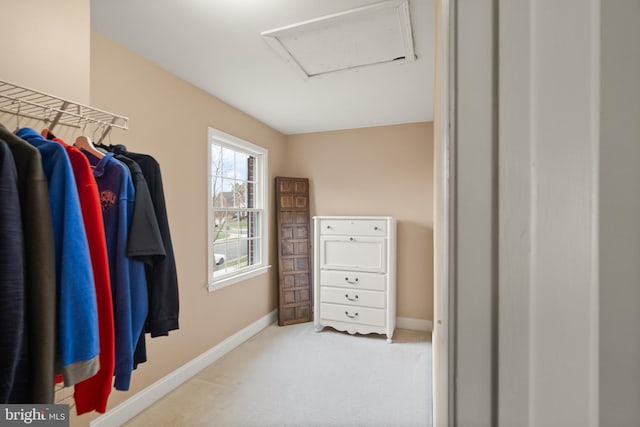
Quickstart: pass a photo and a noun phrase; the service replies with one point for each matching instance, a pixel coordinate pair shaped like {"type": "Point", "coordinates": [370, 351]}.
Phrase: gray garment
{"type": "Point", "coordinates": [14, 372]}
{"type": "Point", "coordinates": [39, 264]}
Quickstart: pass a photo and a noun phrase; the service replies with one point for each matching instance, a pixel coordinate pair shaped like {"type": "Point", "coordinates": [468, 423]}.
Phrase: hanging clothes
{"type": "Point", "coordinates": [59, 246]}
{"type": "Point", "coordinates": [13, 310]}
{"type": "Point", "coordinates": [128, 282]}
{"type": "Point", "coordinates": [161, 274]}
{"type": "Point", "coordinates": [78, 345]}
{"type": "Point", "coordinates": [145, 242]}
{"type": "Point", "coordinates": [93, 393]}
{"type": "Point", "coordinates": [35, 383]}
{"type": "Point", "coordinates": [57, 303]}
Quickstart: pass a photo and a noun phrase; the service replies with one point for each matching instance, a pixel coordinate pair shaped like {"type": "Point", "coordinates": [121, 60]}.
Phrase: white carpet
{"type": "Point", "coordinates": [293, 376]}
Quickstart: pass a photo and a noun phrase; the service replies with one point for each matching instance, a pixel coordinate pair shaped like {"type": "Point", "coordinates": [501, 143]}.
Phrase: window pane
{"type": "Point", "coordinates": [234, 224]}
{"type": "Point", "coordinates": [216, 160]}
{"type": "Point", "coordinates": [242, 254]}
{"type": "Point", "coordinates": [242, 229]}
{"type": "Point", "coordinates": [219, 256]}
{"type": "Point", "coordinates": [216, 187]}
{"type": "Point", "coordinates": [241, 166]}
{"type": "Point", "coordinates": [219, 226]}
{"type": "Point", "coordinates": [234, 254]}
{"type": "Point", "coordinates": [225, 194]}
{"type": "Point", "coordinates": [253, 232]}
{"type": "Point", "coordinates": [255, 255]}
{"type": "Point", "coordinates": [228, 162]}
{"type": "Point", "coordinates": [239, 194]}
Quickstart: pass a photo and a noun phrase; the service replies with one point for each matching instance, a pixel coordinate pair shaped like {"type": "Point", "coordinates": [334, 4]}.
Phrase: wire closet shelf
{"type": "Point", "coordinates": [53, 110]}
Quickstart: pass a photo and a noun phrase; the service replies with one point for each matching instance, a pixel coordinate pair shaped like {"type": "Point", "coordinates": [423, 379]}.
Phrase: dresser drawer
{"type": "Point", "coordinates": [351, 314]}
{"type": "Point", "coordinates": [354, 280]}
{"type": "Point", "coordinates": [355, 297]}
{"type": "Point", "coordinates": [353, 227]}
{"type": "Point", "coordinates": [353, 253]}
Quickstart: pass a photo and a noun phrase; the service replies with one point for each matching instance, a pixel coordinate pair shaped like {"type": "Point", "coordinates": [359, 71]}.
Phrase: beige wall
{"type": "Point", "coordinates": [384, 170]}
{"type": "Point", "coordinates": [45, 46]}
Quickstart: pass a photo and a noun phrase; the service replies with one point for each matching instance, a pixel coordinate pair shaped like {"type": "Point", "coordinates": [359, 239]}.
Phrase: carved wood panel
{"type": "Point", "coordinates": [294, 255]}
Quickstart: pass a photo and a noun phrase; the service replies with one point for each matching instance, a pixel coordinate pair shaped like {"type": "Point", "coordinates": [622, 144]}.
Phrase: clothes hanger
{"type": "Point", "coordinates": [86, 144]}
{"type": "Point", "coordinates": [47, 134]}
{"type": "Point", "coordinates": [99, 144]}
{"type": "Point", "coordinates": [47, 118]}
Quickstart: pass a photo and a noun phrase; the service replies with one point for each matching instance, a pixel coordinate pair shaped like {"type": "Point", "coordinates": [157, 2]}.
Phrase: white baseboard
{"type": "Point", "coordinates": [414, 324]}
{"type": "Point", "coordinates": [150, 395]}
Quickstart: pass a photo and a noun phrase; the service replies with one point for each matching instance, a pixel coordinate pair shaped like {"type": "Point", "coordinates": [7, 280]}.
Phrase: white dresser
{"type": "Point", "coordinates": [354, 274]}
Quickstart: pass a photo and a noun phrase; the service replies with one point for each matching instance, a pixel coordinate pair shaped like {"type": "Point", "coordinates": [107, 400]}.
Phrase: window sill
{"type": "Point", "coordinates": [223, 283]}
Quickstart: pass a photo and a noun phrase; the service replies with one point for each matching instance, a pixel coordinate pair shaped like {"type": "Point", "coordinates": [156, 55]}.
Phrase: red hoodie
{"type": "Point", "coordinates": [93, 393]}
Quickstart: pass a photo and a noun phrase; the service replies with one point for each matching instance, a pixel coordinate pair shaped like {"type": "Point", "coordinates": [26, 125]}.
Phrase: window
{"type": "Point", "coordinates": [237, 237]}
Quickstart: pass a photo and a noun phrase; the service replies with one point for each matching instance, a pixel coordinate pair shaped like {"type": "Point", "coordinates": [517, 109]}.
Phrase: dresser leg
{"type": "Point", "coordinates": [389, 340]}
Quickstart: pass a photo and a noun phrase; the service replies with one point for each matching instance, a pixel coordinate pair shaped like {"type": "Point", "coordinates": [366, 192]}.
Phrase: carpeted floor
{"type": "Point", "coordinates": [294, 376]}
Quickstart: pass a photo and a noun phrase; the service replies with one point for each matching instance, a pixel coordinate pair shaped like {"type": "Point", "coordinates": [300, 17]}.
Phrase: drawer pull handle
{"type": "Point", "coordinates": [346, 313]}
{"type": "Point", "coordinates": [353, 282]}
{"type": "Point", "coordinates": [376, 228]}
{"type": "Point", "coordinates": [351, 239]}
{"type": "Point", "coordinates": [351, 299]}
{"type": "Point", "coordinates": [328, 227]}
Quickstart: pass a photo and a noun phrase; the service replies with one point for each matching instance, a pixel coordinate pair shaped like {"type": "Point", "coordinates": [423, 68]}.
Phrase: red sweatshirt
{"type": "Point", "coordinates": [92, 394]}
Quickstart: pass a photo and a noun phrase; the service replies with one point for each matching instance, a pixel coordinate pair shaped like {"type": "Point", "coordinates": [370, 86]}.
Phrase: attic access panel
{"type": "Point", "coordinates": [369, 35]}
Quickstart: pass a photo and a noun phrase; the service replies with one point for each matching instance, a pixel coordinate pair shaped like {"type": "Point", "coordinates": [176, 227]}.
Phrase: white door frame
{"type": "Point", "coordinates": [440, 363]}
{"type": "Point", "coordinates": [520, 183]}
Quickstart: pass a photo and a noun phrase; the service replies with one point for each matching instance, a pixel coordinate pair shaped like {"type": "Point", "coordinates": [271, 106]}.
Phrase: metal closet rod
{"type": "Point", "coordinates": [25, 102]}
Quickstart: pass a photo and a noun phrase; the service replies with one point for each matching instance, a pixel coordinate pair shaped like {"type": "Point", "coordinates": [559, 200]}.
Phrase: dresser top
{"type": "Point", "coordinates": [353, 217]}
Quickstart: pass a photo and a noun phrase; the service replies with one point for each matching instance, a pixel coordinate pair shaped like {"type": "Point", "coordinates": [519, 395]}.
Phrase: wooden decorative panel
{"type": "Point", "coordinates": [294, 254]}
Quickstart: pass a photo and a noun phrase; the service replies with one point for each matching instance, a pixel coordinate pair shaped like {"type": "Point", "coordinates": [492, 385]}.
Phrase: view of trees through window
{"type": "Point", "coordinates": [236, 217]}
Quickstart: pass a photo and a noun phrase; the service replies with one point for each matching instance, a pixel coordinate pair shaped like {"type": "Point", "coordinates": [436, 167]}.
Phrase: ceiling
{"type": "Point", "coordinates": [217, 46]}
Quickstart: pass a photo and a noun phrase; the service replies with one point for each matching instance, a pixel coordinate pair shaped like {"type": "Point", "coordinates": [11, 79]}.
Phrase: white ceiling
{"type": "Point", "coordinates": [216, 45]}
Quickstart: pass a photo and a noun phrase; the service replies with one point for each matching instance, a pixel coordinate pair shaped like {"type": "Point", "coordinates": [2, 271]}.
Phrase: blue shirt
{"type": "Point", "coordinates": [78, 337]}
{"type": "Point", "coordinates": [128, 283]}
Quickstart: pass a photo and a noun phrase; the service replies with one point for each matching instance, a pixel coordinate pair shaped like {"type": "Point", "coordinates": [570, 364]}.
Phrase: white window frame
{"type": "Point", "coordinates": [261, 154]}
